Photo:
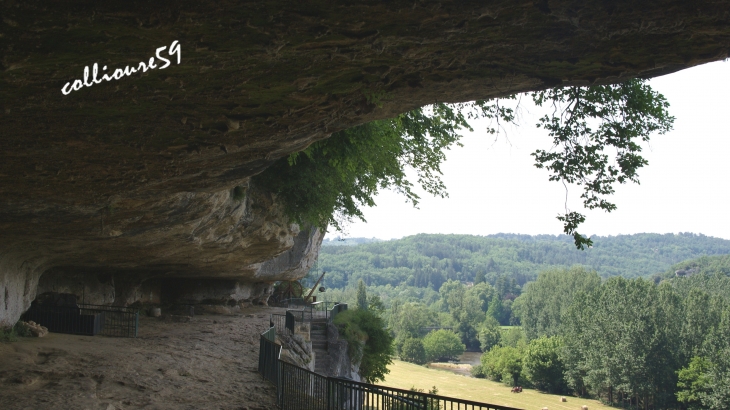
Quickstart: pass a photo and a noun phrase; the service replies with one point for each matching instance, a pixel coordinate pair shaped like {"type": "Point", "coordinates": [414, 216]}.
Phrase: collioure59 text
{"type": "Point", "coordinates": [119, 73]}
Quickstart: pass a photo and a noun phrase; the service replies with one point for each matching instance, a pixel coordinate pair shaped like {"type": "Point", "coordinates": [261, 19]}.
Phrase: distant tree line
{"type": "Point", "coordinates": [646, 343]}
{"type": "Point", "coordinates": [428, 261]}
{"type": "Point", "coordinates": [630, 342]}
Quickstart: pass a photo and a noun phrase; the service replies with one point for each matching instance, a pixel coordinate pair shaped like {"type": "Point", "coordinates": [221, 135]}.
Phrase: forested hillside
{"type": "Point", "coordinates": [709, 265]}
{"type": "Point", "coordinates": [430, 260]}
{"type": "Point", "coordinates": [653, 342]}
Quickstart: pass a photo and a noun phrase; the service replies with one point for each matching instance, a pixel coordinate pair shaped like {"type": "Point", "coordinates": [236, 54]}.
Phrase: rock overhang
{"type": "Point", "coordinates": [136, 174]}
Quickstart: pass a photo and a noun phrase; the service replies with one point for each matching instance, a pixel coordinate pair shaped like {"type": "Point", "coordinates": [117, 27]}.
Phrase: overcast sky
{"type": "Point", "coordinates": [494, 187]}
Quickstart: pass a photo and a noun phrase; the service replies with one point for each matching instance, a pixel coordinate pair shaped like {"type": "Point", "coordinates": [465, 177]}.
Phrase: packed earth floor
{"type": "Point", "coordinates": [209, 362]}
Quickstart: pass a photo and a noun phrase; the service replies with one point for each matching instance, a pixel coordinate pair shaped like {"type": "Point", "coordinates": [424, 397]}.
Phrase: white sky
{"type": "Point", "coordinates": [494, 187]}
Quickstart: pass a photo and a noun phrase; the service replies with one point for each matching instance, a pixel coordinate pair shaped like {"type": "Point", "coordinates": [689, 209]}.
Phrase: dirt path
{"type": "Point", "coordinates": [207, 363]}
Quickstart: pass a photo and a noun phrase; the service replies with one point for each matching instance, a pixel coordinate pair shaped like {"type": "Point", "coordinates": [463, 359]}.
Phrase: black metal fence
{"type": "Point", "coordinates": [301, 389]}
{"type": "Point", "coordinates": [278, 321]}
{"type": "Point", "coordinates": [317, 310]}
{"type": "Point", "coordinates": [86, 319]}
{"type": "Point", "coordinates": [336, 309]}
{"type": "Point", "coordinates": [269, 353]}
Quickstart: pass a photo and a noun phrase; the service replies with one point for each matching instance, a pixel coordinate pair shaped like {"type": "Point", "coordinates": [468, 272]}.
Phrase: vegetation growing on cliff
{"type": "Point", "coordinates": [369, 342]}
{"type": "Point", "coordinates": [596, 134]}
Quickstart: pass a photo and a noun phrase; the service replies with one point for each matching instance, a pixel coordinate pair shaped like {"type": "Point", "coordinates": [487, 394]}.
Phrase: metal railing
{"type": "Point", "coordinates": [85, 319]}
{"type": "Point", "coordinates": [278, 321]}
{"type": "Point", "coordinates": [321, 310]}
{"type": "Point", "coordinates": [294, 316]}
{"type": "Point", "coordinates": [336, 309]}
{"type": "Point", "coordinates": [269, 352]}
{"type": "Point", "coordinates": [300, 389]}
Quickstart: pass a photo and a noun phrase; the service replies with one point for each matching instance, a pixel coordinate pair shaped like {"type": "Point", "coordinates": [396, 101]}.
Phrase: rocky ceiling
{"type": "Point", "coordinates": [134, 173]}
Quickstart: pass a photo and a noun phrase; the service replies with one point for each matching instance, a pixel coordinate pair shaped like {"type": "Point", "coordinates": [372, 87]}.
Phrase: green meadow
{"type": "Point", "coordinates": [406, 375]}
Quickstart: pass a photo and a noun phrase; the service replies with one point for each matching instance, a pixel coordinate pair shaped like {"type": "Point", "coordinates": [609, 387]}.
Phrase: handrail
{"type": "Point", "coordinates": [299, 388]}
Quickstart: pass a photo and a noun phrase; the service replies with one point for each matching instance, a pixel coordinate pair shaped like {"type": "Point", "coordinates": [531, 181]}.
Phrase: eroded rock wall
{"type": "Point", "coordinates": [339, 362]}
{"type": "Point", "coordinates": [19, 274]}
{"type": "Point", "coordinates": [134, 177]}
{"type": "Point", "coordinates": [189, 248]}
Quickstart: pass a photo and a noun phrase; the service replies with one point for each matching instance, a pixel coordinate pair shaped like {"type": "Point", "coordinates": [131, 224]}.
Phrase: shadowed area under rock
{"type": "Point", "coordinates": [147, 178]}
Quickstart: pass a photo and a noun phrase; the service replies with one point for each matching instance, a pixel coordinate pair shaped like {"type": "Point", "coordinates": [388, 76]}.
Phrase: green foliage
{"type": "Point", "coordinates": [332, 179]}
{"type": "Point", "coordinates": [238, 193]}
{"type": "Point", "coordinates": [542, 364]}
{"type": "Point", "coordinates": [496, 312]}
{"type": "Point", "coordinates": [8, 334]}
{"type": "Point", "coordinates": [408, 319]}
{"type": "Point", "coordinates": [369, 342]}
{"type": "Point", "coordinates": [623, 341]}
{"type": "Point", "coordinates": [442, 345]}
{"type": "Point", "coordinates": [413, 351]}
{"type": "Point", "coordinates": [597, 158]}
{"type": "Point", "coordinates": [513, 337]}
{"type": "Point", "coordinates": [480, 277]}
{"type": "Point", "coordinates": [467, 307]}
{"type": "Point", "coordinates": [433, 259]}
{"type": "Point", "coordinates": [376, 305]}
{"type": "Point", "coordinates": [630, 337]}
{"type": "Point", "coordinates": [477, 371]}
{"type": "Point", "coordinates": [11, 334]}
{"type": "Point", "coordinates": [490, 334]}
{"type": "Point", "coordinates": [503, 363]}
{"type": "Point", "coordinates": [717, 350]}
{"type": "Point", "coordinates": [708, 265]}
{"type": "Point", "coordinates": [547, 299]}
{"type": "Point", "coordinates": [452, 293]}
{"type": "Point", "coordinates": [362, 295]}
{"type": "Point", "coordinates": [694, 382]}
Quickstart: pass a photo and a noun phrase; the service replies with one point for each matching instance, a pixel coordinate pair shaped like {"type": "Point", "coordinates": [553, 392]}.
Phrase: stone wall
{"type": "Point", "coordinates": [340, 363]}
{"type": "Point", "coordinates": [296, 349]}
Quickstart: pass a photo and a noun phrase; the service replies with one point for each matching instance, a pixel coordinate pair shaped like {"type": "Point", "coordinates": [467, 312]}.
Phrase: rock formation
{"type": "Point", "coordinates": [135, 182]}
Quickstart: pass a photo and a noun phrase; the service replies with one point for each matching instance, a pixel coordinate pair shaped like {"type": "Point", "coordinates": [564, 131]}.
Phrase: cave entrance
{"type": "Point", "coordinates": [60, 313]}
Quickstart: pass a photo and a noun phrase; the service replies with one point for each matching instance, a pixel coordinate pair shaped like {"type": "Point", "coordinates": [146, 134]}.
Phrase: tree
{"type": "Point", "coordinates": [479, 278]}
{"type": "Point", "coordinates": [542, 364]}
{"type": "Point", "coordinates": [411, 318]}
{"type": "Point", "coordinates": [362, 295]}
{"type": "Point", "coordinates": [503, 363]}
{"type": "Point", "coordinates": [332, 179]}
{"type": "Point", "coordinates": [513, 337]}
{"type": "Point", "coordinates": [627, 113]}
{"type": "Point", "coordinates": [471, 312]}
{"type": "Point", "coordinates": [442, 345]}
{"type": "Point", "coordinates": [452, 293]}
{"type": "Point", "coordinates": [618, 343]}
{"type": "Point", "coordinates": [348, 169]}
{"type": "Point", "coordinates": [544, 301]}
{"type": "Point", "coordinates": [413, 351]}
{"type": "Point", "coordinates": [376, 305]}
{"type": "Point", "coordinates": [369, 342]}
{"type": "Point", "coordinates": [717, 350]}
{"type": "Point", "coordinates": [490, 334]}
{"type": "Point", "coordinates": [694, 382]}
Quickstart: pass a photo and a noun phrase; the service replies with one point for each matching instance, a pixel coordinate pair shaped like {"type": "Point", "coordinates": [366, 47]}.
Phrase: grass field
{"type": "Point", "coordinates": [406, 375]}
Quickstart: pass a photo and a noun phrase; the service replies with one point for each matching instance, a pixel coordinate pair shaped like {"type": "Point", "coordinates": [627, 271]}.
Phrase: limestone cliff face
{"type": "Point", "coordinates": [147, 251]}
{"type": "Point", "coordinates": [131, 178]}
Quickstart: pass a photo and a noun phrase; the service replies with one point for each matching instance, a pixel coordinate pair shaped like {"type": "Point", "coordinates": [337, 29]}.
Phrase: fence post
{"type": "Point", "coordinates": [280, 384]}
{"type": "Point", "coordinates": [329, 394]}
